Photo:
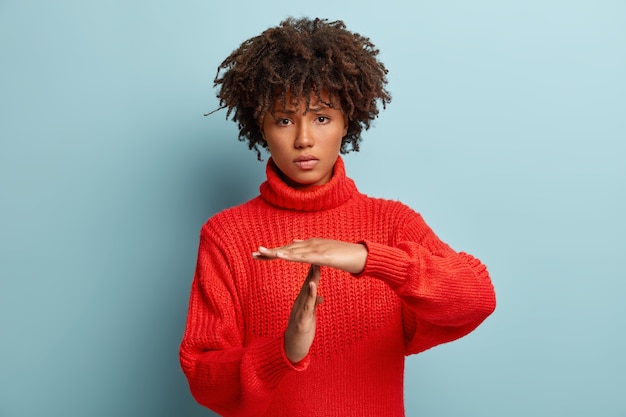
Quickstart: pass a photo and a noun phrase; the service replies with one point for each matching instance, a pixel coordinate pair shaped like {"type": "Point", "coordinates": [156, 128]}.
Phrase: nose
{"type": "Point", "coordinates": [304, 136]}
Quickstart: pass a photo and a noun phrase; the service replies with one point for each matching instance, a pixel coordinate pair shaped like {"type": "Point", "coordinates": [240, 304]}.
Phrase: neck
{"type": "Point", "coordinates": [279, 192]}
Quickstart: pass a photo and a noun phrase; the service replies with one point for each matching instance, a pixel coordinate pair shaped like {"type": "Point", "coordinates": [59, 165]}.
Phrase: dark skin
{"type": "Point", "coordinates": [349, 257]}
{"type": "Point", "coordinates": [301, 56]}
{"type": "Point", "coordinates": [318, 134]}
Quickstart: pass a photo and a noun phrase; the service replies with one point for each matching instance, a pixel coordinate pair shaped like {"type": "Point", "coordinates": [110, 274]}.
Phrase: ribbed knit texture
{"type": "Point", "coordinates": [414, 293]}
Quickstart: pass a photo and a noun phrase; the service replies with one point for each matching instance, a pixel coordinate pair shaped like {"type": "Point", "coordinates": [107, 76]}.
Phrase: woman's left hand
{"type": "Point", "coordinates": [349, 257]}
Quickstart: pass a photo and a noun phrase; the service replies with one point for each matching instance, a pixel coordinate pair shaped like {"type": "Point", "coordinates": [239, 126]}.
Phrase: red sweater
{"type": "Point", "coordinates": [414, 293]}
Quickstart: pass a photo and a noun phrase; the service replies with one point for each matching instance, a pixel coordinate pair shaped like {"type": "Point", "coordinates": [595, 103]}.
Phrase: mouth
{"type": "Point", "coordinates": [306, 162]}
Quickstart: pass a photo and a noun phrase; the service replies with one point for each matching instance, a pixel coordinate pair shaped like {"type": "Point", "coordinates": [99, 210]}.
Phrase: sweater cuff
{"type": "Point", "coordinates": [386, 263]}
{"type": "Point", "coordinates": [272, 361]}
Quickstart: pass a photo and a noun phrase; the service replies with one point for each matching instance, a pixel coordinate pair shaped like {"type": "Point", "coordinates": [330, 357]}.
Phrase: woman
{"type": "Point", "coordinates": [260, 339]}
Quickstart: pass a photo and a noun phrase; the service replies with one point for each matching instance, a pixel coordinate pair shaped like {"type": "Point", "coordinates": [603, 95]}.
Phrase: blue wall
{"type": "Point", "coordinates": [507, 131]}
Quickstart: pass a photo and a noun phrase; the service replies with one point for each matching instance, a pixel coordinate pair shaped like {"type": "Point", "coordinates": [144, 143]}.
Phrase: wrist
{"type": "Point", "coordinates": [359, 259]}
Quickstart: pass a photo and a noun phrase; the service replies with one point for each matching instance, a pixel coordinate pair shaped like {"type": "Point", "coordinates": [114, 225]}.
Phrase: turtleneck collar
{"type": "Point", "coordinates": [330, 195]}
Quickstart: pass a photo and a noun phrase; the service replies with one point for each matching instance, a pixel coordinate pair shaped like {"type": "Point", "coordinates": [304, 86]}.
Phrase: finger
{"type": "Point", "coordinates": [281, 252]}
{"type": "Point", "coordinates": [260, 257]}
{"type": "Point", "coordinates": [305, 291]}
{"type": "Point", "coordinates": [308, 292]}
{"type": "Point", "coordinates": [286, 251]}
{"type": "Point", "coordinates": [265, 253]}
{"type": "Point", "coordinates": [314, 273]}
{"type": "Point", "coordinates": [311, 300]}
{"type": "Point", "coordinates": [314, 282]}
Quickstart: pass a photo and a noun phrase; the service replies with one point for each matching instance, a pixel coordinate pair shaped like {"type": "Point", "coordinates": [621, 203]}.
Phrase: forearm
{"type": "Point", "coordinates": [451, 289]}
{"type": "Point", "coordinates": [228, 372]}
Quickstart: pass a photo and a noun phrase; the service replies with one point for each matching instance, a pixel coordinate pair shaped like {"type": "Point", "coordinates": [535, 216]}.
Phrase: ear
{"type": "Point", "coordinates": [346, 124]}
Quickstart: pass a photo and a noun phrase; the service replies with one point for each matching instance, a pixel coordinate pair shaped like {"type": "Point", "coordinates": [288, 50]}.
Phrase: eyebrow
{"type": "Point", "coordinates": [292, 111]}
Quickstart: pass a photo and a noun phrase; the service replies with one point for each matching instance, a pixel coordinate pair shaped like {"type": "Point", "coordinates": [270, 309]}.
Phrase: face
{"type": "Point", "coordinates": [305, 144]}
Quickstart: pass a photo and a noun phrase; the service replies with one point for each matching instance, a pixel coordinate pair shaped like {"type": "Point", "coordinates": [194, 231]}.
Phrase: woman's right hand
{"type": "Point", "coordinates": [301, 327]}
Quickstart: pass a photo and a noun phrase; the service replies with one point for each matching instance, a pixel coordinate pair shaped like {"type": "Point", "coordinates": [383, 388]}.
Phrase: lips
{"type": "Point", "coordinates": [306, 162]}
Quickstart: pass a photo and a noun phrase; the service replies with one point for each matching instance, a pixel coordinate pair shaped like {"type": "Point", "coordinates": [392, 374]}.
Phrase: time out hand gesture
{"type": "Point", "coordinates": [349, 257]}
{"type": "Point", "coordinates": [346, 256]}
{"type": "Point", "coordinates": [301, 327]}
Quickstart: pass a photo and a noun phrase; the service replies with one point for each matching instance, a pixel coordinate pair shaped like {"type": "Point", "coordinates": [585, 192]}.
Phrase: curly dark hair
{"type": "Point", "coordinates": [298, 57]}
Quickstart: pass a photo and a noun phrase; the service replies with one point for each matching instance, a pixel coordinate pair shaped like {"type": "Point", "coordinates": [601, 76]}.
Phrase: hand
{"type": "Point", "coordinates": [349, 257]}
{"type": "Point", "coordinates": [301, 327]}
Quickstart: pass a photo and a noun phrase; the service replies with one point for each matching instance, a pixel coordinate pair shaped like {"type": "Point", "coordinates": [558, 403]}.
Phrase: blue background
{"type": "Point", "coordinates": [506, 131]}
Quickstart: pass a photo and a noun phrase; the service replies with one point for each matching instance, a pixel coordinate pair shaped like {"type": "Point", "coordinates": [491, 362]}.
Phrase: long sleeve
{"type": "Point", "coordinates": [414, 293]}
{"type": "Point", "coordinates": [445, 294]}
{"type": "Point", "coordinates": [224, 374]}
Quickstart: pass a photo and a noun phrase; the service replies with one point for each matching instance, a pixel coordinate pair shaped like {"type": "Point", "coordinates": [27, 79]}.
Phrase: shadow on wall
{"type": "Point", "coordinates": [223, 173]}
{"type": "Point", "coordinates": [218, 173]}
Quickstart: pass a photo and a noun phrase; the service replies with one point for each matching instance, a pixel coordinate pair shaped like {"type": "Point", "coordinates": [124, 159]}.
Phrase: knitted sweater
{"type": "Point", "coordinates": [415, 292]}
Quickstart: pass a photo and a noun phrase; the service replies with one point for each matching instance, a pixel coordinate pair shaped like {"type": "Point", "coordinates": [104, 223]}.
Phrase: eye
{"type": "Point", "coordinates": [283, 122]}
{"type": "Point", "coordinates": [322, 119]}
